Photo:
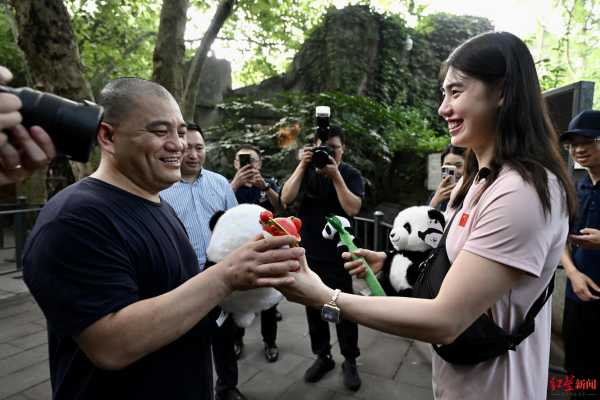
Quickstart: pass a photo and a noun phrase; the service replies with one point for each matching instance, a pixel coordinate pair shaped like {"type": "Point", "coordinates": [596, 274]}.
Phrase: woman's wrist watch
{"type": "Point", "coordinates": [330, 311]}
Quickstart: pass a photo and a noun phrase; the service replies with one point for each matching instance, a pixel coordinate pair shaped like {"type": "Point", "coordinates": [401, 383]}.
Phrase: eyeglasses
{"type": "Point", "coordinates": [582, 143]}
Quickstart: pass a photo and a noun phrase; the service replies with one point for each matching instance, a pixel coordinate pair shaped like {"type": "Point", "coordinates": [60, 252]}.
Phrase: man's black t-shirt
{"type": "Point", "coordinates": [94, 250]}
{"type": "Point", "coordinates": [320, 200]}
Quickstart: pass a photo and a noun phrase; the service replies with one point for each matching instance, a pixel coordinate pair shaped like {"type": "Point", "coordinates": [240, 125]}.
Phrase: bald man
{"type": "Point", "coordinates": [114, 272]}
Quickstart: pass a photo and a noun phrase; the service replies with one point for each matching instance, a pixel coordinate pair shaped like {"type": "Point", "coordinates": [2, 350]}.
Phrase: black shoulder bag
{"type": "Point", "coordinates": [484, 339]}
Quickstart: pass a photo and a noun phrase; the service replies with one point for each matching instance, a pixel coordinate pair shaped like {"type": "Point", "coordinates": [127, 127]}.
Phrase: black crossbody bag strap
{"type": "Point", "coordinates": [483, 339]}
{"type": "Point", "coordinates": [528, 326]}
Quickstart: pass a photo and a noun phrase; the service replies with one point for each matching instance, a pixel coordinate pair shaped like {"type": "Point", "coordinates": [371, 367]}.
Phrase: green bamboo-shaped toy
{"type": "Point", "coordinates": [348, 240]}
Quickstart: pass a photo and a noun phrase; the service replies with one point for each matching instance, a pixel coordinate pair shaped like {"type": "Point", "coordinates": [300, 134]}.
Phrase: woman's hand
{"type": "Point", "coordinates": [356, 267]}
{"type": "Point", "coordinates": [443, 192]}
{"type": "Point", "coordinates": [307, 288]}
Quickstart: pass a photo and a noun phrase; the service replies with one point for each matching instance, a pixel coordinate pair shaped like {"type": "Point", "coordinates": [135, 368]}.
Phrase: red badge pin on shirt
{"type": "Point", "coordinates": [463, 219]}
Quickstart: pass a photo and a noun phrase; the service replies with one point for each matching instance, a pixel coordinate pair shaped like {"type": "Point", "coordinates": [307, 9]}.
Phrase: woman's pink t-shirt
{"type": "Point", "coordinates": [509, 226]}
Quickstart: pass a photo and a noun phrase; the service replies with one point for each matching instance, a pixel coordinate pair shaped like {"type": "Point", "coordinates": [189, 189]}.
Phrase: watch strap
{"type": "Point", "coordinates": [334, 297]}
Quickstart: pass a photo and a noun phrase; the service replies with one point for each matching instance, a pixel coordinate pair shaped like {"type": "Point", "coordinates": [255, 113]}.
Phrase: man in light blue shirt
{"type": "Point", "coordinates": [199, 194]}
{"type": "Point", "coordinates": [196, 198]}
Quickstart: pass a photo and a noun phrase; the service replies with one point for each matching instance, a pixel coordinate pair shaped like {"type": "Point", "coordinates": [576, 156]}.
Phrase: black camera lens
{"type": "Point", "coordinates": [72, 126]}
{"type": "Point", "coordinates": [321, 155]}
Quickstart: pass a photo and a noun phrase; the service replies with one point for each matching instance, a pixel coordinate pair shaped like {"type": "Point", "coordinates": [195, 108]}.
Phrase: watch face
{"type": "Point", "coordinates": [330, 313]}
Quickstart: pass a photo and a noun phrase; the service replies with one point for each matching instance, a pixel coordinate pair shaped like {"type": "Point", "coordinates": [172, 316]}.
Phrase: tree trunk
{"type": "Point", "coordinates": [170, 47]}
{"type": "Point", "coordinates": [193, 77]}
{"type": "Point", "coordinates": [47, 39]}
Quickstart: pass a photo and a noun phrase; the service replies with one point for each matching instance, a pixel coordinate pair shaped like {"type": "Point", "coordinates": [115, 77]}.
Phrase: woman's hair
{"type": "Point", "coordinates": [525, 137]}
{"type": "Point", "coordinates": [450, 149]}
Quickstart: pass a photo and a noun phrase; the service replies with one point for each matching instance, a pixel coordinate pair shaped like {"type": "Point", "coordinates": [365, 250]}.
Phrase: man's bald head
{"type": "Point", "coordinates": [120, 96]}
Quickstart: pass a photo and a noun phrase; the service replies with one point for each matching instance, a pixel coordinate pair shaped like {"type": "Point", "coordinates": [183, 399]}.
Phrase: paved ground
{"type": "Point", "coordinates": [391, 367]}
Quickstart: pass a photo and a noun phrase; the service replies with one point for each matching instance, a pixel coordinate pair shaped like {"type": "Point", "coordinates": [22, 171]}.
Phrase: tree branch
{"type": "Point", "coordinates": [224, 10]}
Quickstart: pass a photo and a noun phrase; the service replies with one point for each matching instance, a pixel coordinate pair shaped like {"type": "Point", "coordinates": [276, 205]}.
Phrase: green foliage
{"type": "Point", "coordinates": [12, 57]}
{"type": "Point", "coordinates": [574, 54]}
{"type": "Point", "coordinates": [273, 31]}
{"type": "Point", "coordinates": [374, 131]}
{"type": "Point", "coordinates": [115, 38]}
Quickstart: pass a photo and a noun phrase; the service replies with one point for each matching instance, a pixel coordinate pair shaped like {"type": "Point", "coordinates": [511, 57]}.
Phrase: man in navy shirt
{"type": "Point", "coordinates": [111, 266]}
{"type": "Point", "coordinates": [251, 187]}
{"type": "Point", "coordinates": [581, 260]}
{"type": "Point", "coordinates": [338, 189]}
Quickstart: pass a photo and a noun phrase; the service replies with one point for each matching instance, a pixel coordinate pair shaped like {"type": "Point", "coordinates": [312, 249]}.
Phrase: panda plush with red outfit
{"type": "Point", "coordinates": [415, 232]}
{"type": "Point", "coordinates": [234, 228]}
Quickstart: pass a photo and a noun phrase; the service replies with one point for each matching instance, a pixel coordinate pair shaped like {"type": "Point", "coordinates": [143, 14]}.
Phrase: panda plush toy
{"type": "Point", "coordinates": [230, 230]}
{"type": "Point", "coordinates": [359, 286]}
{"type": "Point", "coordinates": [416, 230]}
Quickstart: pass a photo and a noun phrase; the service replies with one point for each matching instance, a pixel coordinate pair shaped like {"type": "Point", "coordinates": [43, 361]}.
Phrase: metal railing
{"type": "Point", "coordinates": [372, 233]}
{"type": "Point", "coordinates": [20, 227]}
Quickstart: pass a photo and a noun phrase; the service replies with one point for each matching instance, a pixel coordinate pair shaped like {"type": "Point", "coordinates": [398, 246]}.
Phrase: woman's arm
{"type": "Point", "coordinates": [472, 285]}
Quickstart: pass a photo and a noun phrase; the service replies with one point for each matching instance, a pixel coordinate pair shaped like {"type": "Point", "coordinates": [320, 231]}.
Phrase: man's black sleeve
{"type": "Point", "coordinates": [78, 272]}
{"type": "Point", "coordinates": [355, 182]}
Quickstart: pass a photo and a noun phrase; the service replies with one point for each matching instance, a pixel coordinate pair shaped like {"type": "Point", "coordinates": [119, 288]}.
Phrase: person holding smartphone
{"type": "Point", "coordinates": [453, 164]}
{"type": "Point", "coordinates": [251, 187]}
{"type": "Point", "coordinates": [249, 184]}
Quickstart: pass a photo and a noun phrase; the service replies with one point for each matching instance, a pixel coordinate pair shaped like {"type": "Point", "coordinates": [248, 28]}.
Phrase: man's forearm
{"type": "Point", "coordinates": [273, 197]}
{"type": "Point", "coordinates": [290, 189]}
{"type": "Point", "coordinates": [350, 202]}
{"type": "Point", "coordinates": [121, 338]}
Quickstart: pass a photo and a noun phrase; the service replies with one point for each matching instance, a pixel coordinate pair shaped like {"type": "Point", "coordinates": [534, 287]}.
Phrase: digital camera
{"type": "Point", "coordinates": [72, 126]}
{"type": "Point", "coordinates": [321, 154]}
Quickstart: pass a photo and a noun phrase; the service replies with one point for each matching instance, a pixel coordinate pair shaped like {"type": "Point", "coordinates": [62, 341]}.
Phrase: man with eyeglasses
{"type": "Point", "coordinates": [581, 258]}
{"type": "Point", "coordinates": [337, 188]}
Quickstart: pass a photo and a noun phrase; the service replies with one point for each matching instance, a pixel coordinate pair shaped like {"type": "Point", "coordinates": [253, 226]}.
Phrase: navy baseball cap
{"type": "Point", "coordinates": [585, 124]}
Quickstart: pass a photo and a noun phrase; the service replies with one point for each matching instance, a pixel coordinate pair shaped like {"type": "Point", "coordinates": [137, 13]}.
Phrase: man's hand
{"type": "Point", "coordinates": [588, 239]}
{"type": "Point", "coordinates": [263, 262]}
{"type": "Point", "coordinates": [355, 267]}
{"type": "Point", "coordinates": [259, 181]}
{"type": "Point", "coordinates": [442, 192]}
{"type": "Point", "coordinates": [583, 286]}
{"type": "Point", "coordinates": [243, 177]}
{"type": "Point", "coordinates": [26, 151]}
{"type": "Point", "coordinates": [306, 156]}
{"type": "Point", "coordinates": [330, 170]}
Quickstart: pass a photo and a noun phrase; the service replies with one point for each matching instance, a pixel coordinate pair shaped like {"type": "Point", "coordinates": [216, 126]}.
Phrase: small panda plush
{"type": "Point", "coordinates": [415, 231]}
{"type": "Point", "coordinates": [230, 230]}
{"type": "Point", "coordinates": [359, 286]}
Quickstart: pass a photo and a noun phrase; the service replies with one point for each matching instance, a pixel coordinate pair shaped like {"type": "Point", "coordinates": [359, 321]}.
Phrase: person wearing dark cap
{"type": "Point", "coordinates": [581, 258]}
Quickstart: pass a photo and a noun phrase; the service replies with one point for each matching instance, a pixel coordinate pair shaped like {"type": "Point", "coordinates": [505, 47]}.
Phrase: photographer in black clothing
{"type": "Point", "coordinates": [336, 188]}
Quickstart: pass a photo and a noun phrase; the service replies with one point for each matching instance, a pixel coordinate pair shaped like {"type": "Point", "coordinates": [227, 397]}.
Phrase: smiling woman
{"type": "Point", "coordinates": [513, 204]}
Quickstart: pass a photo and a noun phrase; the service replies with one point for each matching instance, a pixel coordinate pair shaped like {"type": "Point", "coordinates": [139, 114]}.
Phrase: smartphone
{"type": "Point", "coordinates": [449, 170]}
{"type": "Point", "coordinates": [244, 159]}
